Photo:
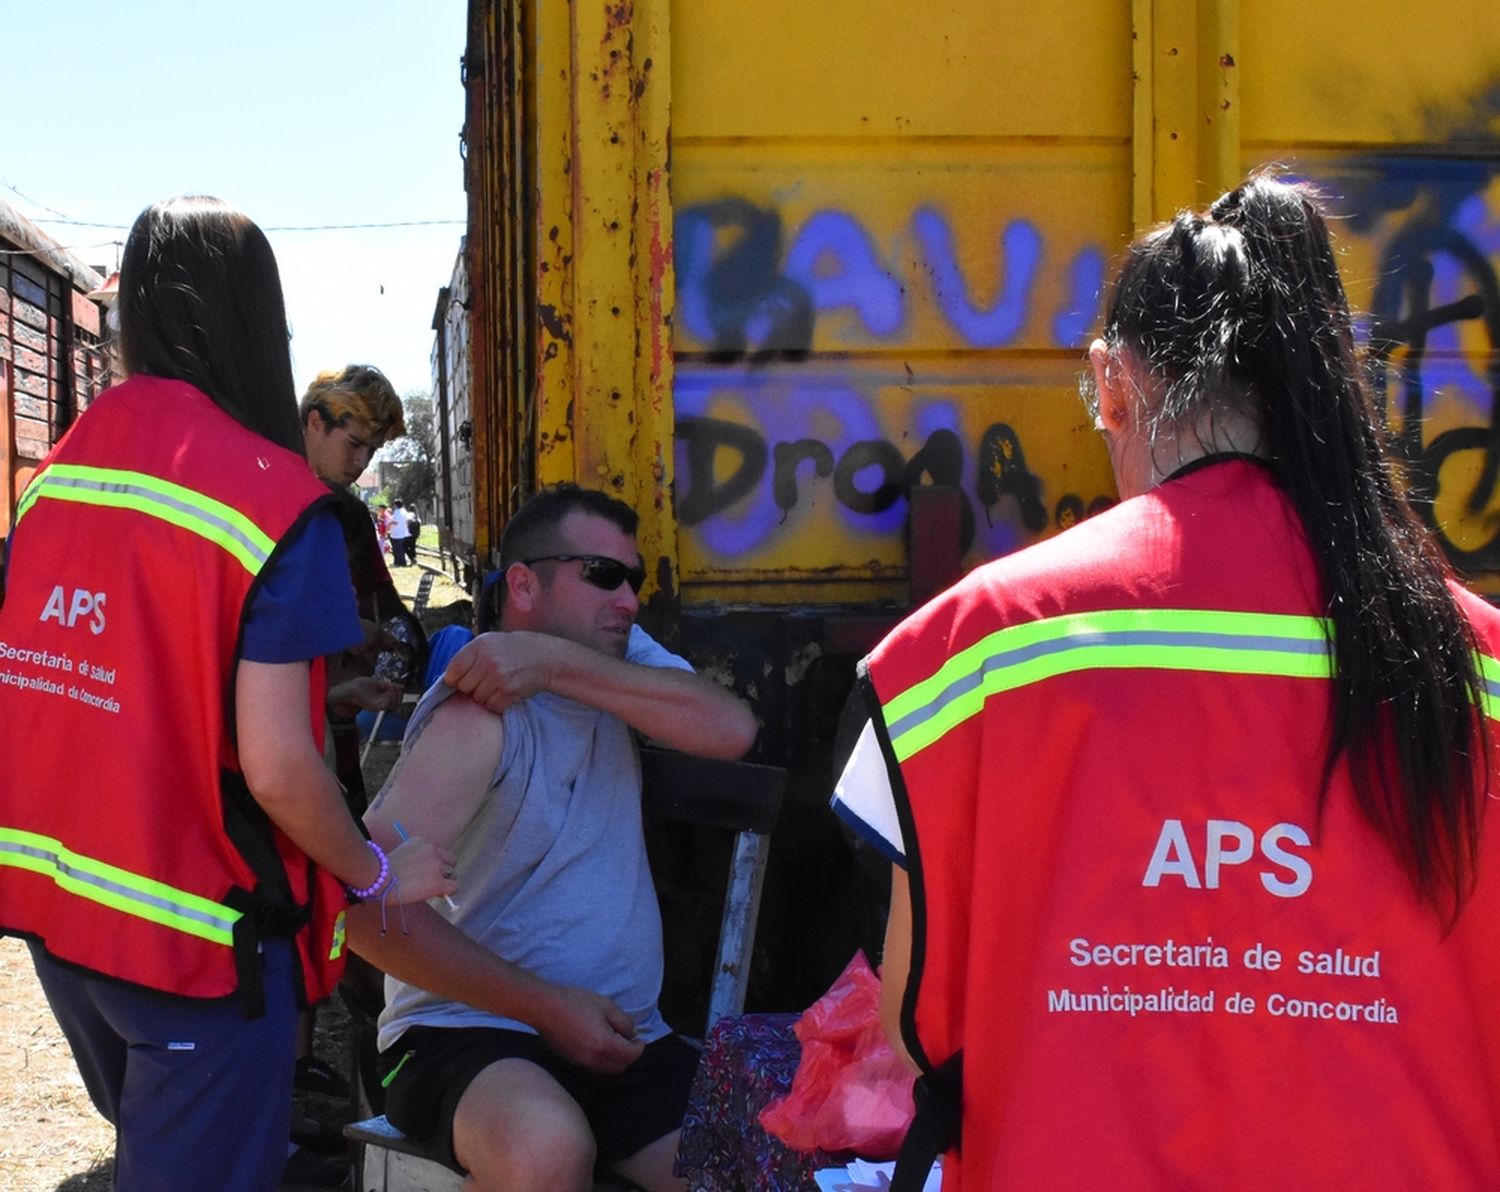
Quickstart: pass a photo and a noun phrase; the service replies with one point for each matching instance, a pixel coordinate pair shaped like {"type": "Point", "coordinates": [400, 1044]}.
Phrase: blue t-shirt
{"type": "Point", "coordinates": [304, 607]}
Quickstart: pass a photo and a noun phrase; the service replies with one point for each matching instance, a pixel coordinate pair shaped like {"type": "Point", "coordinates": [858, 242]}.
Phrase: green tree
{"type": "Point", "coordinates": [410, 463]}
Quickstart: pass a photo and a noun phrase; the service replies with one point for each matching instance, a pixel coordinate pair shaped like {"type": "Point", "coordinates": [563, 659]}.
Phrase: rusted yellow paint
{"type": "Point", "coordinates": [553, 77]}
{"type": "Point", "coordinates": [880, 233]}
{"type": "Point", "coordinates": [1186, 105]}
{"type": "Point", "coordinates": [604, 260]}
{"type": "Point", "coordinates": [889, 238]}
{"type": "Point", "coordinates": [1377, 74]}
{"type": "Point", "coordinates": [1219, 99]}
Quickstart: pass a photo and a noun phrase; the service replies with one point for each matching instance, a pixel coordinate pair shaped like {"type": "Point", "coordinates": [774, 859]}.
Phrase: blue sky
{"type": "Point", "coordinates": [311, 113]}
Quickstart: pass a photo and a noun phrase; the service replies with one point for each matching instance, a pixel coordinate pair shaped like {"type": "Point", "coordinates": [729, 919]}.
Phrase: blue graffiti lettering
{"type": "Point", "coordinates": [834, 260]}
{"type": "Point", "coordinates": [1072, 324]}
{"type": "Point", "coordinates": [1002, 322]}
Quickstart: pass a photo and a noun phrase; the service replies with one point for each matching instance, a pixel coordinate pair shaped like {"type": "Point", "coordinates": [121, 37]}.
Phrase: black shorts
{"type": "Point", "coordinates": [434, 1065]}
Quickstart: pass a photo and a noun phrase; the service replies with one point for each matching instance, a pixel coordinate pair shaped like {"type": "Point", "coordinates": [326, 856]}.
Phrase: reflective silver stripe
{"type": "Point", "coordinates": [197, 919]}
{"type": "Point", "coordinates": [1172, 639]}
{"type": "Point", "coordinates": [222, 527]}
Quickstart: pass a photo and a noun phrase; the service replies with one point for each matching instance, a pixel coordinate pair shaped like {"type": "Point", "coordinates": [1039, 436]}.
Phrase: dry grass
{"type": "Point", "coordinates": [51, 1137]}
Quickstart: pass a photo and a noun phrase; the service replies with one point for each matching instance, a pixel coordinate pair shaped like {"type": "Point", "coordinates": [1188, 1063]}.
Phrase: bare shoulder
{"type": "Point", "coordinates": [445, 769]}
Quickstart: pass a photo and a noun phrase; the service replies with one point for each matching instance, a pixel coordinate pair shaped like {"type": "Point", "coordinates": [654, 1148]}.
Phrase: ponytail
{"type": "Point", "coordinates": [1246, 305]}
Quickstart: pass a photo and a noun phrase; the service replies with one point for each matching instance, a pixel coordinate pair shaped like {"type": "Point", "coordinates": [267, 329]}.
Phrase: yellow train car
{"type": "Point", "coordinates": [763, 267]}
{"type": "Point", "coordinates": [778, 271]}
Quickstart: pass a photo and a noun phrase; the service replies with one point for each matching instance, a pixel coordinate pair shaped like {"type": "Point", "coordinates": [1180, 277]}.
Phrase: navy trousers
{"type": "Point", "coordinates": [200, 1097]}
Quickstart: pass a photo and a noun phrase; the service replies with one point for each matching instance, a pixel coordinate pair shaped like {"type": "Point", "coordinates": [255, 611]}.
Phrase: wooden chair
{"type": "Point", "coordinates": [741, 797]}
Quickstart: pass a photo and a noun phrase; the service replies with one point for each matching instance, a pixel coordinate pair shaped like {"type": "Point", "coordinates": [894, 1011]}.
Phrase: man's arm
{"type": "Point", "coordinates": [583, 1027]}
{"type": "Point", "coordinates": [285, 774]}
{"type": "Point", "coordinates": [675, 707]}
{"type": "Point", "coordinates": [435, 792]}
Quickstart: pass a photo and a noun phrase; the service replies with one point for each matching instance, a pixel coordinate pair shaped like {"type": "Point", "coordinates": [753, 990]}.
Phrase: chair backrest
{"type": "Point", "coordinates": [424, 593]}
{"type": "Point", "coordinates": [743, 797]}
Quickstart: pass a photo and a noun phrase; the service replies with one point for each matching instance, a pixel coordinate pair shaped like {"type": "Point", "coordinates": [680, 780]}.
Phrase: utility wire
{"type": "Point", "coordinates": [403, 223]}
{"type": "Point", "coordinates": [59, 217]}
{"type": "Point", "coordinates": [41, 252]}
{"type": "Point", "coordinates": [32, 201]}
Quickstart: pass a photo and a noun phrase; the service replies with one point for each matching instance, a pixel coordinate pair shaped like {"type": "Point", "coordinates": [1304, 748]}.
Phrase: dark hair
{"type": "Point", "coordinates": [200, 301]}
{"type": "Point", "coordinates": [1243, 307]}
{"type": "Point", "coordinates": [532, 531]}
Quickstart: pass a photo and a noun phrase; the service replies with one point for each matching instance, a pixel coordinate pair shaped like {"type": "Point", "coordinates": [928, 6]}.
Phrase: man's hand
{"type": "Point", "coordinates": [678, 708]}
{"type": "Point", "coordinates": [589, 1030]}
{"type": "Point", "coordinates": [500, 669]}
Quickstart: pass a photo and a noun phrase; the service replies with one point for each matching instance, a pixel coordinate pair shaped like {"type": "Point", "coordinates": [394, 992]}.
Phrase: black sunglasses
{"type": "Point", "coordinates": [599, 570]}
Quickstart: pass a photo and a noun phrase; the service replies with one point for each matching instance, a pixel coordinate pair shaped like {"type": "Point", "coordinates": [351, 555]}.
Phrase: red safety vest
{"type": "Point", "coordinates": [1164, 965]}
{"type": "Point", "coordinates": [129, 843]}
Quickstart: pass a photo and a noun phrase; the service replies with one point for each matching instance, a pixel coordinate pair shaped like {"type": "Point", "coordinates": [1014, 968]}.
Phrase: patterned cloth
{"type": "Point", "coordinates": [747, 1062]}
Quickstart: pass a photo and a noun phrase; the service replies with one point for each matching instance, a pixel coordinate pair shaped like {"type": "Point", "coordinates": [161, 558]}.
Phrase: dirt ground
{"type": "Point", "coordinates": [51, 1137]}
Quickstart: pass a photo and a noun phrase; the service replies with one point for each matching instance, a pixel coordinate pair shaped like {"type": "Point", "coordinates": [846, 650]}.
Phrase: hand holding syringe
{"type": "Point", "coordinates": [401, 832]}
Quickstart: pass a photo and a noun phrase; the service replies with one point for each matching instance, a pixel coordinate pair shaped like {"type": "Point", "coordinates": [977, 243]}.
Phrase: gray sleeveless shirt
{"type": "Point", "coordinates": [552, 869]}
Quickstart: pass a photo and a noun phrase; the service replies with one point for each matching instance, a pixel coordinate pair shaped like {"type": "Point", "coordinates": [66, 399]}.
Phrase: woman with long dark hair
{"type": "Point", "coordinates": [170, 842]}
{"type": "Point", "coordinates": [1188, 805]}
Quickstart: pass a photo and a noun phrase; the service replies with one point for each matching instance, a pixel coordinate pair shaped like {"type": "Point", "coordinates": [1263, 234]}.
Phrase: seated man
{"type": "Point", "coordinates": [521, 1037]}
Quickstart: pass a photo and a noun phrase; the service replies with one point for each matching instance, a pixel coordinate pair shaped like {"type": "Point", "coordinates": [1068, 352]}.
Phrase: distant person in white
{"type": "Point", "coordinates": [403, 549]}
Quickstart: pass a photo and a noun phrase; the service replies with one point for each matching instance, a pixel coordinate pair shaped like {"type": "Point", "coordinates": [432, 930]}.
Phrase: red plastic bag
{"type": "Point", "coordinates": [850, 1093]}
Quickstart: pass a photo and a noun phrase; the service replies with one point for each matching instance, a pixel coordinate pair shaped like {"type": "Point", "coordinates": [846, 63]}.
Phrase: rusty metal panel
{"type": "Point", "coordinates": [870, 69]}
{"type": "Point", "coordinates": [603, 411]}
{"type": "Point", "coordinates": [1186, 125]}
{"type": "Point", "coordinates": [884, 282]}
{"type": "Point", "coordinates": [870, 328]}
{"type": "Point", "coordinates": [1379, 73]}
{"type": "Point", "coordinates": [85, 314]}
{"type": "Point", "coordinates": [888, 228]}
{"type": "Point", "coordinates": [841, 219]}
{"type": "Point", "coordinates": [454, 377]}
{"type": "Point", "coordinates": [1395, 111]}
{"type": "Point", "coordinates": [498, 178]}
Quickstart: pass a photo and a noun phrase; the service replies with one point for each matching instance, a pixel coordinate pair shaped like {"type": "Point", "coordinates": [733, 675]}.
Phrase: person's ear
{"type": "Point", "coordinates": [1111, 385]}
{"type": "Point", "coordinates": [523, 587]}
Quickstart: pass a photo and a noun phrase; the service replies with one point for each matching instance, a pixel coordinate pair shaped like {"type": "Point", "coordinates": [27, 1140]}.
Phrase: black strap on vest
{"type": "Point", "coordinates": [259, 920]}
{"type": "Point", "coordinates": [268, 912]}
{"type": "Point", "coordinates": [939, 1098]}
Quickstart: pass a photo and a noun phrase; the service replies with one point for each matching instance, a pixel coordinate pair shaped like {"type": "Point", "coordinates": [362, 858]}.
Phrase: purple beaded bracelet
{"type": "Point", "coordinates": [381, 880]}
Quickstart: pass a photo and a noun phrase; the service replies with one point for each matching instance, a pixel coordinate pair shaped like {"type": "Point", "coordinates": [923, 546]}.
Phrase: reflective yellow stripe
{"type": "Point", "coordinates": [1162, 639]}
{"type": "Point", "coordinates": [183, 507]}
{"type": "Point", "coordinates": [1489, 683]}
{"type": "Point", "coordinates": [116, 888]}
{"type": "Point", "coordinates": [338, 937]}
{"type": "Point", "coordinates": [1206, 640]}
